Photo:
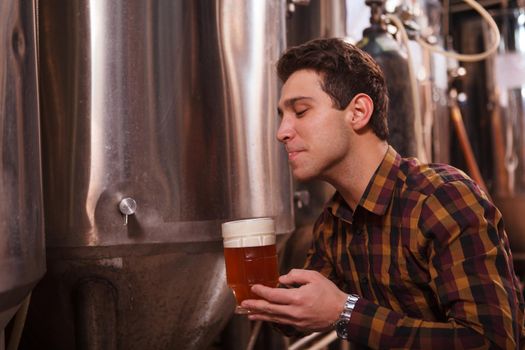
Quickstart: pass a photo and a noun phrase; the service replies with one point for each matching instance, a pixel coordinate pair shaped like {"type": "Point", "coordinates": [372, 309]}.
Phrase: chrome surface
{"type": "Point", "coordinates": [171, 103]}
{"type": "Point", "coordinates": [319, 19]}
{"type": "Point", "coordinates": [507, 81]}
{"type": "Point", "coordinates": [159, 296]}
{"type": "Point", "coordinates": [127, 206]}
{"type": "Point", "coordinates": [22, 256]}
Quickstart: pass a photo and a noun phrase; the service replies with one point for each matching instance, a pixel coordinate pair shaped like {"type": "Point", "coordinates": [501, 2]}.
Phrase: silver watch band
{"type": "Point", "coordinates": [341, 325]}
{"type": "Point", "coordinates": [351, 300]}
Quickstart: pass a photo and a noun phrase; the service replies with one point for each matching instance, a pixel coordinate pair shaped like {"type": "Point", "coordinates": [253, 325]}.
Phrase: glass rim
{"type": "Point", "coordinates": [248, 227]}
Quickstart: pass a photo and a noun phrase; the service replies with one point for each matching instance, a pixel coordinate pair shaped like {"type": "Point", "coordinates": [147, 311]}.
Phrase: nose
{"type": "Point", "coordinates": [286, 130]}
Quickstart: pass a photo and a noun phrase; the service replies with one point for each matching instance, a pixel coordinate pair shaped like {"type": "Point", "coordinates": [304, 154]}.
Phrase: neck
{"type": "Point", "coordinates": [351, 178]}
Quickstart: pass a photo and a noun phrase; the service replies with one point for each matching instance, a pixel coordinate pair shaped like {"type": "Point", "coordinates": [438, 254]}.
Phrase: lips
{"type": "Point", "coordinates": [293, 153]}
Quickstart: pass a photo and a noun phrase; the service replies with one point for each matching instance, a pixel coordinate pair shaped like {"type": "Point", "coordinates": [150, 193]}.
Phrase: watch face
{"type": "Point", "coordinates": [341, 328]}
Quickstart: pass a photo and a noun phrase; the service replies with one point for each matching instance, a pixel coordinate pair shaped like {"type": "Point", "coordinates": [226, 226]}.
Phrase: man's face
{"type": "Point", "coordinates": [316, 135]}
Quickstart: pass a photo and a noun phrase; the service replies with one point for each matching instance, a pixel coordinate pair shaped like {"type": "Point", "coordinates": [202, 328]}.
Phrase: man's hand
{"type": "Point", "coordinates": [314, 306]}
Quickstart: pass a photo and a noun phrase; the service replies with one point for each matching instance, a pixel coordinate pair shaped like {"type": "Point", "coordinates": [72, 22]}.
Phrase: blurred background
{"type": "Point", "coordinates": [130, 130]}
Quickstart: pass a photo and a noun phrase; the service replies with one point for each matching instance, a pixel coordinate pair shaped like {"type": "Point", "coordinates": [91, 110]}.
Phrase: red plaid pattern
{"type": "Point", "coordinates": [427, 252]}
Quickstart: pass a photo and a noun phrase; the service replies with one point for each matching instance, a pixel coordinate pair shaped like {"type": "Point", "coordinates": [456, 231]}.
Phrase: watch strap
{"type": "Point", "coordinates": [342, 323]}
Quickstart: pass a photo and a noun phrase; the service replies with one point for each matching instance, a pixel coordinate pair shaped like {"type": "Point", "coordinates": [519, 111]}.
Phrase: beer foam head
{"type": "Point", "coordinates": [248, 233]}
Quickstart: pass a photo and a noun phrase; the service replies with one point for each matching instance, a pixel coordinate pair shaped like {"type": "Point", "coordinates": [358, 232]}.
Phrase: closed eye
{"type": "Point", "coordinates": [301, 112]}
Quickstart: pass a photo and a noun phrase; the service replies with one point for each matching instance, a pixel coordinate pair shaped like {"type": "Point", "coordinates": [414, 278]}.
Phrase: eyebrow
{"type": "Point", "coordinates": [291, 101]}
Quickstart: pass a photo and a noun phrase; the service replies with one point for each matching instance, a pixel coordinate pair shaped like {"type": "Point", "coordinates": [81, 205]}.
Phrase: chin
{"type": "Point", "coordinates": [303, 176]}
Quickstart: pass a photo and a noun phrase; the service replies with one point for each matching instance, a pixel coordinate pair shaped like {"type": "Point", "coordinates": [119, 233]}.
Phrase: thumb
{"type": "Point", "coordinates": [298, 276]}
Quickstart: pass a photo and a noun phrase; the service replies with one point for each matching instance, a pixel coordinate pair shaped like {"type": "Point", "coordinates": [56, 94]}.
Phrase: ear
{"type": "Point", "coordinates": [360, 110]}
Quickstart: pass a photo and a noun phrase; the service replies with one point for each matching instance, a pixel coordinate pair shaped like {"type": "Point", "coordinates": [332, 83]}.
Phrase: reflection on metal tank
{"type": "Point", "coordinates": [164, 111]}
{"type": "Point", "coordinates": [317, 19]}
{"type": "Point", "coordinates": [507, 79]}
{"type": "Point", "coordinates": [22, 258]}
{"type": "Point", "coordinates": [169, 103]}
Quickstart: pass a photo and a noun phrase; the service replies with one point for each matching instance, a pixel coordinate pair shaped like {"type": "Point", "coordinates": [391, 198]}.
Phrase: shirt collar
{"type": "Point", "coordinates": [378, 192]}
{"type": "Point", "coordinates": [380, 189]}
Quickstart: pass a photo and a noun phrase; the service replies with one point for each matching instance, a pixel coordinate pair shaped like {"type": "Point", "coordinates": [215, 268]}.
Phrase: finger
{"type": "Point", "coordinates": [298, 276]}
{"type": "Point", "coordinates": [263, 307]}
{"type": "Point", "coordinates": [270, 318]}
{"type": "Point", "coordinates": [274, 295]}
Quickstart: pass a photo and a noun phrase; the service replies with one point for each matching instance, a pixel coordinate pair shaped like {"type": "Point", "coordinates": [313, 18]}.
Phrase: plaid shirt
{"type": "Point", "coordinates": [427, 253]}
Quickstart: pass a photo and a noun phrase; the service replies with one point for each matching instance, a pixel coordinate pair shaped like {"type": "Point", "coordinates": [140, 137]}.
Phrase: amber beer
{"type": "Point", "coordinates": [250, 256]}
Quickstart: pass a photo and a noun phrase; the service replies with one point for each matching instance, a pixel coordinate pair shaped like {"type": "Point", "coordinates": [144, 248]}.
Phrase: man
{"type": "Point", "coordinates": [405, 255]}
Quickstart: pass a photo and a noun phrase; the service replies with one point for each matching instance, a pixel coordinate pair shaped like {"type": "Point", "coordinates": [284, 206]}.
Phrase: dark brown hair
{"type": "Point", "coordinates": [345, 70]}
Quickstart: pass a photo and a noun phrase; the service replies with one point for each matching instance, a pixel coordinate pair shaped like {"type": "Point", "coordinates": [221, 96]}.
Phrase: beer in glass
{"type": "Point", "coordinates": [250, 256]}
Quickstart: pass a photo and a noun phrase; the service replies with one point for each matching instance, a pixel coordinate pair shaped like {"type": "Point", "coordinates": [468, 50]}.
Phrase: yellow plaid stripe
{"type": "Point", "coordinates": [427, 253]}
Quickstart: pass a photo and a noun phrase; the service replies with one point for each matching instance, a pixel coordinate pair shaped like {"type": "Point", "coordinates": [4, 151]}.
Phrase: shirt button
{"type": "Point", "coordinates": [364, 280]}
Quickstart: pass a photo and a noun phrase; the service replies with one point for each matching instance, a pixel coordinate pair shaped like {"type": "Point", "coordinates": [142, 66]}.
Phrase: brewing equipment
{"type": "Point", "coordinates": [22, 256]}
{"type": "Point", "coordinates": [424, 21]}
{"type": "Point", "coordinates": [416, 77]}
{"type": "Point", "coordinates": [506, 83]}
{"type": "Point", "coordinates": [158, 125]}
{"type": "Point", "coordinates": [392, 59]}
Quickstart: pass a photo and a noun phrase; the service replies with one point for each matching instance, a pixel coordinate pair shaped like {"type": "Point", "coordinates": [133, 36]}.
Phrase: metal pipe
{"type": "Point", "coordinates": [254, 335]}
{"type": "Point", "coordinates": [329, 339]}
{"type": "Point", "coordinates": [305, 340]}
{"type": "Point", "coordinates": [466, 148]}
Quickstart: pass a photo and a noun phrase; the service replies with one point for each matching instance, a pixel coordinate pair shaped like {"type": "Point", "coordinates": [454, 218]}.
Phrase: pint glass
{"type": "Point", "coordinates": [250, 256]}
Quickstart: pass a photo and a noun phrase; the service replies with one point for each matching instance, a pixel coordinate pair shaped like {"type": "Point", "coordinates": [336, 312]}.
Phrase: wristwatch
{"type": "Point", "coordinates": [341, 325]}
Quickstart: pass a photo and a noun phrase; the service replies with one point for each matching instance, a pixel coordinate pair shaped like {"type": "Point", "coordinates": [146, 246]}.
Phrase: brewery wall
{"type": "Point", "coordinates": [132, 129]}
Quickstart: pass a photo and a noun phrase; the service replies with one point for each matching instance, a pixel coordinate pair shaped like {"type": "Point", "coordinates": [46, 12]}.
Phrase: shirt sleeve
{"type": "Point", "coordinates": [472, 276]}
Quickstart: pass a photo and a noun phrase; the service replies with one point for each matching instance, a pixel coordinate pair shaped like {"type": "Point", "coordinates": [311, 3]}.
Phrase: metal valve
{"type": "Point", "coordinates": [302, 198]}
{"type": "Point", "coordinates": [127, 207]}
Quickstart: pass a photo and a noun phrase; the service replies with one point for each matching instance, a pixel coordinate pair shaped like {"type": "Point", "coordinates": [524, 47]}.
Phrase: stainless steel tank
{"type": "Point", "coordinates": [164, 111]}
{"type": "Point", "coordinates": [22, 256]}
{"type": "Point", "coordinates": [506, 76]}
{"type": "Point", "coordinates": [316, 19]}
